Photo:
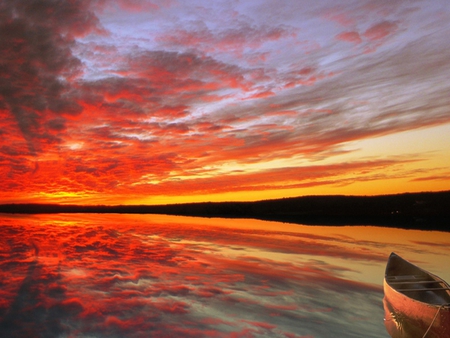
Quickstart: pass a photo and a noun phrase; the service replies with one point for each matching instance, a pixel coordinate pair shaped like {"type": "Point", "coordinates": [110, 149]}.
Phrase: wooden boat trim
{"type": "Point", "coordinates": [407, 276]}
{"type": "Point", "coordinates": [417, 282]}
{"type": "Point", "coordinates": [423, 289]}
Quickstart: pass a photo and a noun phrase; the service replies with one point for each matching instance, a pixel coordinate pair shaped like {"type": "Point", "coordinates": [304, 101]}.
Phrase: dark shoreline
{"type": "Point", "coordinates": [424, 211]}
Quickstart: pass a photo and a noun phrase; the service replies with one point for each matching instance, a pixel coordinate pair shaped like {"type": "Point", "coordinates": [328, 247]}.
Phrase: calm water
{"type": "Point", "coordinates": [167, 276]}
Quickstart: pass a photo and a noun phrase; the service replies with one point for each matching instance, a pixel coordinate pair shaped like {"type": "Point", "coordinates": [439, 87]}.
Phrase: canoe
{"type": "Point", "coordinates": [416, 302]}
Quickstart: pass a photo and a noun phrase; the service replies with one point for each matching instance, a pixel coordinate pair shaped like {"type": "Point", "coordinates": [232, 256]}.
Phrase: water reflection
{"type": "Point", "coordinates": [166, 276]}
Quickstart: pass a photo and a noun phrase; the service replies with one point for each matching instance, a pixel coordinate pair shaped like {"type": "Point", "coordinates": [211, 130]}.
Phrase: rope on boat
{"type": "Point", "coordinates": [432, 322]}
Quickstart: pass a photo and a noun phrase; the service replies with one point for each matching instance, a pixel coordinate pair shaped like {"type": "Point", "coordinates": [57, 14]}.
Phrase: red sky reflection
{"type": "Point", "coordinates": [152, 101]}
{"type": "Point", "coordinates": [166, 276]}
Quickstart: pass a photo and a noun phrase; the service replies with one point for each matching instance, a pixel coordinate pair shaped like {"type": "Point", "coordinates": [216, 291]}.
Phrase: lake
{"type": "Point", "coordinates": [105, 275]}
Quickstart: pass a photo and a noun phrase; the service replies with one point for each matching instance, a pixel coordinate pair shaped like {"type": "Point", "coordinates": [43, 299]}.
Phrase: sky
{"type": "Point", "coordinates": [152, 102]}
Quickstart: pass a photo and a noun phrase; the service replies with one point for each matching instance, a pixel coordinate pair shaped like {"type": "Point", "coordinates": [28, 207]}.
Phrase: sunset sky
{"type": "Point", "coordinates": [167, 101]}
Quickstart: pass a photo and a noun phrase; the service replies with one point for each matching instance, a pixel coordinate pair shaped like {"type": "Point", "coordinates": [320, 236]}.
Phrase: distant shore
{"type": "Point", "coordinates": [425, 211]}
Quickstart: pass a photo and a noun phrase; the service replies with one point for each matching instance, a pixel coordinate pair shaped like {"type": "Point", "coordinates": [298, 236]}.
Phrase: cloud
{"type": "Point", "coordinates": [37, 65]}
{"type": "Point", "coordinates": [138, 5]}
{"type": "Point", "coordinates": [380, 30]}
{"type": "Point", "coordinates": [349, 37]}
{"type": "Point", "coordinates": [100, 99]}
{"type": "Point", "coordinates": [444, 177]}
{"type": "Point", "coordinates": [234, 40]}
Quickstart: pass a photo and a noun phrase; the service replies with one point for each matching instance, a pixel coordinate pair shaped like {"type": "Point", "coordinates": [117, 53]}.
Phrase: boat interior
{"type": "Point", "coordinates": [416, 283]}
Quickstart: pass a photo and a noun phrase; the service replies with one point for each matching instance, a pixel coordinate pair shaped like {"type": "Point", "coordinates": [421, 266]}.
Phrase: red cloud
{"type": "Point", "coordinates": [261, 325]}
{"type": "Point", "coordinates": [380, 30]}
{"type": "Point", "coordinates": [37, 62]}
{"type": "Point", "coordinates": [349, 37]}
{"type": "Point", "coordinates": [138, 5]}
{"type": "Point", "coordinates": [444, 177]}
{"type": "Point", "coordinates": [342, 18]}
{"type": "Point", "coordinates": [168, 121]}
{"type": "Point", "coordinates": [235, 40]}
{"type": "Point", "coordinates": [175, 308]}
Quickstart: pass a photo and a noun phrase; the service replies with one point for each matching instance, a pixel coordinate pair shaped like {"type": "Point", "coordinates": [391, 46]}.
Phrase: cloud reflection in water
{"type": "Point", "coordinates": [166, 276]}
